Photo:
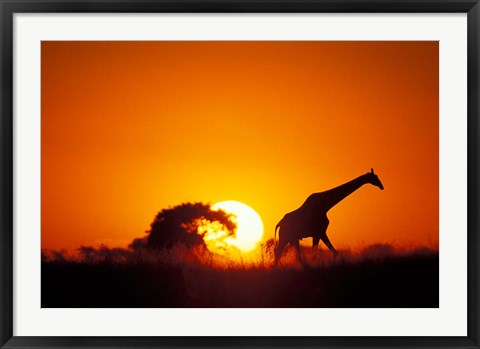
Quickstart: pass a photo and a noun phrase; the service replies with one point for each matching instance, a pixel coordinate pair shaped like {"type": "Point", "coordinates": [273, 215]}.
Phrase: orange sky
{"type": "Point", "coordinates": [129, 128]}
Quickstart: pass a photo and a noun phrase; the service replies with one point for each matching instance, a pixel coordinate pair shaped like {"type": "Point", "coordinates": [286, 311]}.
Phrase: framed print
{"type": "Point", "coordinates": [239, 174]}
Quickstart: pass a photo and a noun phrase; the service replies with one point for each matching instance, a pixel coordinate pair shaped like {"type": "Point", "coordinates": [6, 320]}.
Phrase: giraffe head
{"type": "Point", "coordinates": [372, 178]}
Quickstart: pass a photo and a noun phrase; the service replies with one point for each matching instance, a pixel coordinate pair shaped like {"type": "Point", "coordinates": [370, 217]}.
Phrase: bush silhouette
{"type": "Point", "coordinates": [180, 223]}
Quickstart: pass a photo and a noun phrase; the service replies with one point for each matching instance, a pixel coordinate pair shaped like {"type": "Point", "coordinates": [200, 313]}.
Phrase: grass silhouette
{"type": "Point", "coordinates": [378, 276]}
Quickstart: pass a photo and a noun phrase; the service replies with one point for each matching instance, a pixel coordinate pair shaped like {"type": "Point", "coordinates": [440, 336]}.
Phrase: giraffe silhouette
{"type": "Point", "coordinates": [310, 219]}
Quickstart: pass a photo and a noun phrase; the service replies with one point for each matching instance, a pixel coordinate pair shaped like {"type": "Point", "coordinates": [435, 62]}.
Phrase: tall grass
{"type": "Point", "coordinates": [200, 257]}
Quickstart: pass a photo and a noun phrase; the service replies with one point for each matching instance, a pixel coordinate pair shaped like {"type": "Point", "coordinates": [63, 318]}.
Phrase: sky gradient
{"type": "Point", "coordinates": [129, 128]}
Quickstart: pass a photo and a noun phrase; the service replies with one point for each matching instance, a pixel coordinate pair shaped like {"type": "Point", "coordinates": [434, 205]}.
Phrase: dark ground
{"type": "Point", "coordinates": [409, 281]}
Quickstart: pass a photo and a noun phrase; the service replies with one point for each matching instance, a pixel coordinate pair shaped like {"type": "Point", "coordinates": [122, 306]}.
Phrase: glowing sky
{"type": "Point", "coordinates": [129, 128]}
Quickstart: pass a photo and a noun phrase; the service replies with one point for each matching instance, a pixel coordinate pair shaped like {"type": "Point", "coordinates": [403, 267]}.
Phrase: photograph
{"type": "Point", "coordinates": [239, 174]}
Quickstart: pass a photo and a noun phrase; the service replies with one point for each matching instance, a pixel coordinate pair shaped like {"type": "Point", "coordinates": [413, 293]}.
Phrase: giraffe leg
{"type": "Point", "coordinates": [327, 242]}
{"type": "Point", "coordinates": [315, 240]}
{"type": "Point", "coordinates": [296, 244]}
{"type": "Point", "coordinates": [279, 250]}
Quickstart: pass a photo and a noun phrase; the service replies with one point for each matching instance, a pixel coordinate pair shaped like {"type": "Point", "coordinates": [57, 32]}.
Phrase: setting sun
{"type": "Point", "coordinates": [249, 224]}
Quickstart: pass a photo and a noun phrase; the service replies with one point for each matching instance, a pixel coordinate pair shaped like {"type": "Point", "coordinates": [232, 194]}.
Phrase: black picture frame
{"type": "Point", "coordinates": [7, 10]}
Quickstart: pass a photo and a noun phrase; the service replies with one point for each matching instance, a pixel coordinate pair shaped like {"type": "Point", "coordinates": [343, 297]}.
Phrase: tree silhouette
{"type": "Point", "coordinates": [180, 223]}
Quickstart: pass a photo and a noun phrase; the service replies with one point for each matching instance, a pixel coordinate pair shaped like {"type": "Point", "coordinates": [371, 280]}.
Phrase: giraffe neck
{"type": "Point", "coordinates": [337, 194]}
